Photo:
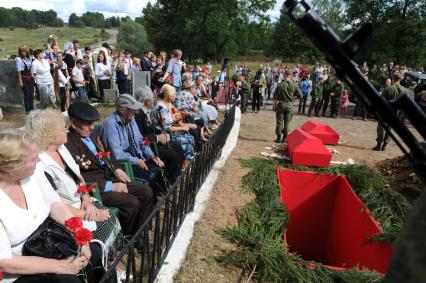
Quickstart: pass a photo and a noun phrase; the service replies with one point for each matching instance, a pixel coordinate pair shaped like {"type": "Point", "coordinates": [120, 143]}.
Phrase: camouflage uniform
{"type": "Point", "coordinates": [336, 98]}
{"type": "Point", "coordinates": [326, 91]}
{"type": "Point", "coordinates": [316, 92]}
{"type": "Point", "coordinates": [283, 96]}
{"type": "Point", "coordinates": [245, 93]}
{"type": "Point", "coordinates": [389, 93]}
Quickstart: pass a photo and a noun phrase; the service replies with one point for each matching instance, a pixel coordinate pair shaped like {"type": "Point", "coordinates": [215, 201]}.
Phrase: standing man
{"type": "Point", "coordinates": [316, 92]}
{"type": "Point", "coordinates": [244, 92]}
{"type": "Point", "coordinates": [336, 97]}
{"type": "Point", "coordinates": [283, 105]}
{"type": "Point", "coordinates": [389, 93]}
{"type": "Point", "coordinates": [326, 93]}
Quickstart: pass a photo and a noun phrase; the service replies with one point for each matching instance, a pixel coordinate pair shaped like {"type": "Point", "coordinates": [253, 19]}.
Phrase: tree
{"type": "Point", "coordinates": [290, 43]}
{"type": "Point", "coordinates": [399, 30]}
{"type": "Point", "coordinates": [93, 19]}
{"type": "Point", "coordinates": [203, 28]}
{"type": "Point", "coordinates": [75, 21]}
{"type": "Point", "coordinates": [132, 36]}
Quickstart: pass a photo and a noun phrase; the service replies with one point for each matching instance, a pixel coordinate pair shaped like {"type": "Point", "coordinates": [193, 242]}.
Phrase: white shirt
{"type": "Point", "coordinates": [16, 223]}
{"type": "Point", "coordinates": [41, 71]}
{"type": "Point", "coordinates": [65, 184]}
{"type": "Point", "coordinates": [100, 69]}
{"type": "Point", "coordinates": [78, 75]}
{"type": "Point", "coordinates": [62, 79]}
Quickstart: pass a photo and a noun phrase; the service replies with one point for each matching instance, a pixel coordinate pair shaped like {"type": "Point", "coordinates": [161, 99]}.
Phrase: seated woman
{"type": "Point", "coordinates": [167, 123]}
{"type": "Point", "coordinates": [26, 200]}
{"type": "Point", "coordinates": [207, 104]}
{"type": "Point", "coordinates": [186, 103]}
{"type": "Point", "coordinates": [169, 151]}
{"type": "Point", "coordinates": [50, 132]}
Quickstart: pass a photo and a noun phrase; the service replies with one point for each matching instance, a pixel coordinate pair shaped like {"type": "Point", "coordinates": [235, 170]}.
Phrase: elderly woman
{"type": "Point", "coordinates": [168, 123]}
{"type": "Point", "coordinates": [169, 151]}
{"type": "Point", "coordinates": [50, 132]}
{"type": "Point", "coordinates": [26, 200]}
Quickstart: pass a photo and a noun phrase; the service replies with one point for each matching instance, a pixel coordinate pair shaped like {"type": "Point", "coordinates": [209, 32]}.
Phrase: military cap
{"type": "Point", "coordinates": [83, 111]}
{"type": "Point", "coordinates": [128, 101]}
{"type": "Point", "coordinates": [397, 76]}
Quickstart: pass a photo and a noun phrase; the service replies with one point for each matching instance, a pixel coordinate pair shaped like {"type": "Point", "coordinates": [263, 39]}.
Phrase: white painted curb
{"type": "Point", "coordinates": [176, 256]}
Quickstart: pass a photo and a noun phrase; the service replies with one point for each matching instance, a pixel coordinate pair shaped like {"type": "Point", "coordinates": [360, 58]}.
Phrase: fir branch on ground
{"type": "Point", "coordinates": [258, 237]}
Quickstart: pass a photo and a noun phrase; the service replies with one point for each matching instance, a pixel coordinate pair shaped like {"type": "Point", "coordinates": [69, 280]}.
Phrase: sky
{"type": "Point", "coordinates": [121, 8]}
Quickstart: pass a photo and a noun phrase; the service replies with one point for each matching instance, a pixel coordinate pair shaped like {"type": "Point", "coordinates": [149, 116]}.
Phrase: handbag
{"type": "Point", "coordinates": [50, 240]}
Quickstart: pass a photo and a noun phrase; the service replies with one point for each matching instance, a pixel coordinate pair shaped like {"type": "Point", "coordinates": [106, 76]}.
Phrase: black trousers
{"type": "Point", "coordinates": [62, 97]}
{"type": "Point", "coordinates": [152, 176]}
{"type": "Point", "coordinates": [123, 87]}
{"type": "Point", "coordinates": [173, 156]}
{"type": "Point", "coordinates": [28, 90]}
{"type": "Point", "coordinates": [133, 207]}
{"type": "Point", "coordinates": [103, 84]}
{"type": "Point", "coordinates": [255, 104]}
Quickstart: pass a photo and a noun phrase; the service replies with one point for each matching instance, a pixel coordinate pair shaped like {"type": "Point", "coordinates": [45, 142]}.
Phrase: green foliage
{"type": "Point", "coordinates": [399, 34]}
{"type": "Point", "coordinates": [19, 18]}
{"type": "Point", "coordinates": [207, 29]}
{"type": "Point", "coordinates": [258, 237]}
{"type": "Point", "coordinates": [132, 36]}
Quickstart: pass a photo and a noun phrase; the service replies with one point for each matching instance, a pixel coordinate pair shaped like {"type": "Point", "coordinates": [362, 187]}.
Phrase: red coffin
{"type": "Point", "coordinates": [307, 150]}
{"type": "Point", "coordinates": [328, 223]}
{"type": "Point", "coordinates": [322, 131]}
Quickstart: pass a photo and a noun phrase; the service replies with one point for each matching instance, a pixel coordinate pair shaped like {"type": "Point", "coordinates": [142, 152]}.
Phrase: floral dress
{"type": "Point", "coordinates": [165, 120]}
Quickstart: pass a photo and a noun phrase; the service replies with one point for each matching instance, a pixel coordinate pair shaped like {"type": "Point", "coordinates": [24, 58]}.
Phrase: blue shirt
{"type": "Point", "coordinates": [175, 68]}
{"type": "Point", "coordinates": [115, 136]}
{"type": "Point", "coordinates": [89, 143]}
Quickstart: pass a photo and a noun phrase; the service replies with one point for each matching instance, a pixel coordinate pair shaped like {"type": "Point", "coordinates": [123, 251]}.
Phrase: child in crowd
{"type": "Point", "coordinates": [345, 101]}
{"type": "Point", "coordinates": [78, 78]}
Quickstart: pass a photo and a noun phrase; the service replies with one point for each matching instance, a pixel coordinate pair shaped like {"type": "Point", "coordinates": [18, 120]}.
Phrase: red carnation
{"type": "Point", "coordinates": [174, 110]}
{"type": "Point", "coordinates": [146, 141]}
{"type": "Point", "coordinates": [82, 236]}
{"type": "Point", "coordinates": [103, 154]}
{"type": "Point", "coordinates": [183, 115]}
{"type": "Point", "coordinates": [74, 224]}
{"type": "Point", "coordinates": [1, 276]}
{"type": "Point", "coordinates": [84, 189]}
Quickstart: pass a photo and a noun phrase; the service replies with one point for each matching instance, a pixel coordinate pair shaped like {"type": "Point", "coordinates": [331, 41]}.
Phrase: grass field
{"type": "Point", "coordinates": [36, 38]}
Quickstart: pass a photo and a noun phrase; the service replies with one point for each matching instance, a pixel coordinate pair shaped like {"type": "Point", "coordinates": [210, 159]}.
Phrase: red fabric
{"type": "Point", "coordinates": [328, 223]}
{"type": "Point", "coordinates": [307, 150]}
{"type": "Point", "coordinates": [322, 131]}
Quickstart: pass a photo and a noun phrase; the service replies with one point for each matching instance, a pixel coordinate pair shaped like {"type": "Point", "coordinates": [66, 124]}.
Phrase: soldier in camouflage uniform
{"type": "Point", "coordinates": [316, 92]}
{"type": "Point", "coordinates": [389, 93]}
{"type": "Point", "coordinates": [336, 97]}
{"type": "Point", "coordinates": [326, 91]}
{"type": "Point", "coordinates": [244, 92]}
{"type": "Point", "coordinates": [283, 105]}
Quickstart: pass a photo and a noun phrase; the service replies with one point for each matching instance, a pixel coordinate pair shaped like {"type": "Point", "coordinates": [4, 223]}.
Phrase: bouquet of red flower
{"type": "Point", "coordinates": [146, 141]}
{"type": "Point", "coordinates": [84, 189]}
{"type": "Point", "coordinates": [82, 236]}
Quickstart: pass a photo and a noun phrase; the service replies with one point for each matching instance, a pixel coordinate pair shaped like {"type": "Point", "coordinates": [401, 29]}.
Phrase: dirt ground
{"type": "Point", "coordinates": [256, 133]}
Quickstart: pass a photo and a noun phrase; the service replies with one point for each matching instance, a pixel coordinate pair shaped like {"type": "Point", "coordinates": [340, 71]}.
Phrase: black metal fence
{"type": "Point", "coordinates": [154, 238]}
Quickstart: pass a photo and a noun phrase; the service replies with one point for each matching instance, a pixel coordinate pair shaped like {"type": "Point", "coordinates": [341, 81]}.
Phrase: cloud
{"type": "Point", "coordinates": [65, 8]}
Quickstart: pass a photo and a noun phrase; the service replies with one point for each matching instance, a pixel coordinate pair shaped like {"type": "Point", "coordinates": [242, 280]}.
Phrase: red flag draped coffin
{"type": "Point", "coordinates": [307, 150]}
{"type": "Point", "coordinates": [322, 131]}
{"type": "Point", "coordinates": [328, 223]}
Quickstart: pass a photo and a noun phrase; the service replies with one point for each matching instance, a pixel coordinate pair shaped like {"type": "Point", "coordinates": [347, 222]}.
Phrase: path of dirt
{"type": "Point", "coordinates": [256, 133]}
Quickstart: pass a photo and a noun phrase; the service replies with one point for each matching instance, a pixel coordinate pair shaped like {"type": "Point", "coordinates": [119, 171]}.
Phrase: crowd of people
{"type": "Point", "coordinates": [158, 130]}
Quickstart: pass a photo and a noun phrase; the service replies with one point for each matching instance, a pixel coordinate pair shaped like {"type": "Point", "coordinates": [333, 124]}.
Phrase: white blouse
{"type": "Point", "coordinates": [100, 68]}
{"type": "Point", "coordinates": [17, 224]}
{"type": "Point", "coordinates": [65, 184]}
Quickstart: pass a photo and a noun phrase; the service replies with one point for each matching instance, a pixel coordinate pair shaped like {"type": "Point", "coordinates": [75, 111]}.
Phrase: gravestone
{"type": "Point", "coordinates": [140, 78]}
{"type": "Point", "coordinates": [11, 96]}
{"type": "Point", "coordinates": [110, 94]}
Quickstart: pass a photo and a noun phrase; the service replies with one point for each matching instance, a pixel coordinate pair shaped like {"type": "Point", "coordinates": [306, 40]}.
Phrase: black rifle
{"type": "Point", "coordinates": [408, 263]}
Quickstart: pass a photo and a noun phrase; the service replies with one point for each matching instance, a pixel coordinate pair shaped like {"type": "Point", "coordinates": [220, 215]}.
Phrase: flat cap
{"type": "Point", "coordinates": [83, 111]}
{"type": "Point", "coordinates": [128, 101]}
{"type": "Point", "coordinates": [397, 76]}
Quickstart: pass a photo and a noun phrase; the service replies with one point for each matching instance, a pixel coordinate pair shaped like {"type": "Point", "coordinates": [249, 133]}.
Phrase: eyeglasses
{"type": "Point", "coordinates": [65, 129]}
